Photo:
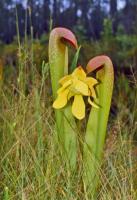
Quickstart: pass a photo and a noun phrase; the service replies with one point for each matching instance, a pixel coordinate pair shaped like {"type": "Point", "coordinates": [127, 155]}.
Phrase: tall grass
{"type": "Point", "coordinates": [31, 166]}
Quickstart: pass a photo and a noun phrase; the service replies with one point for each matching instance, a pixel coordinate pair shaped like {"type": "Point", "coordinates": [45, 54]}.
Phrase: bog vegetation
{"type": "Point", "coordinates": [31, 166]}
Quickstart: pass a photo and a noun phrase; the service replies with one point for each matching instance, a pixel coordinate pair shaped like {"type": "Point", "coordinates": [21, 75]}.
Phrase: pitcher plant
{"type": "Point", "coordinates": [71, 93]}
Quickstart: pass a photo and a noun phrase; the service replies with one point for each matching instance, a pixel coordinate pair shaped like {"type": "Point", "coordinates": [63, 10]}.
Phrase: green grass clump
{"type": "Point", "coordinates": [31, 166]}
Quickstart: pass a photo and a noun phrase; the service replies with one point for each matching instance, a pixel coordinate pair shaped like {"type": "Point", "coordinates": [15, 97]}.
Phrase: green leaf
{"type": "Point", "coordinates": [75, 60]}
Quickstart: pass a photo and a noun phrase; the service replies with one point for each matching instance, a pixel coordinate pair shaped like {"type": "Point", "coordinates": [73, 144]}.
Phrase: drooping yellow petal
{"type": "Point", "coordinates": [78, 107]}
{"type": "Point", "coordinates": [60, 90]}
{"type": "Point", "coordinates": [70, 94]}
{"type": "Point", "coordinates": [61, 100]}
{"type": "Point", "coordinates": [92, 103]}
{"type": "Point", "coordinates": [65, 85]}
{"type": "Point", "coordinates": [79, 87]}
{"type": "Point", "coordinates": [93, 93]}
{"type": "Point", "coordinates": [79, 73]}
{"type": "Point", "coordinates": [65, 79]}
{"type": "Point", "coordinates": [91, 81]}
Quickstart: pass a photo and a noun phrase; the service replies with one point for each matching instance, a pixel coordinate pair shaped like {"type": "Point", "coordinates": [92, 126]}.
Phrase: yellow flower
{"type": "Point", "coordinates": [76, 85]}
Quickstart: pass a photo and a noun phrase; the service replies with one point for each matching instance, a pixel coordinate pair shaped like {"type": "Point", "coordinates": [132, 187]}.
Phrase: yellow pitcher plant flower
{"type": "Point", "coordinates": [76, 85]}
